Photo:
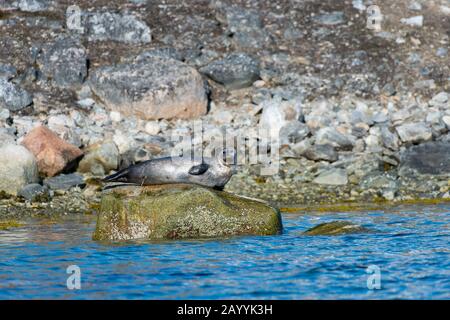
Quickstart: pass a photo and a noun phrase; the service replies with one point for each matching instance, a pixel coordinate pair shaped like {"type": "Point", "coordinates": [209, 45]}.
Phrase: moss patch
{"type": "Point", "coordinates": [10, 224]}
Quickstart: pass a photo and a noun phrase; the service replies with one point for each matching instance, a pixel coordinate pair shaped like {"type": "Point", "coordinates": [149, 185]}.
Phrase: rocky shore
{"type": "Point", "coordinates": [361, 115]}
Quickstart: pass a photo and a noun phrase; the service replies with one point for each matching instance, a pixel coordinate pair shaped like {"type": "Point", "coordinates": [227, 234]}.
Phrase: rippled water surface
{"type": "Point", "coordinates": [411, 248]}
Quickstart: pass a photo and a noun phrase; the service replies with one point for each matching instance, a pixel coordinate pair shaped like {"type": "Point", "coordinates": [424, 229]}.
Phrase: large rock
{"type": "Point", "coordinates": [100, 158]}
{"type": "Point", "coordinates": [414, 132]}
{"type": "Point", "coordinates": [235, 71]}
{"type": "Point", "coordinates": [119, 27]}
{"type": "Point", "coordinates": [17, 168]}
{"type": "Point", "coordinates": [65, 62]}
{"type": "Point", "coordinates": [427, 158]}
{"type": "Point", "coordinates": [159, 88]}
{"type": "Point", "coordinates": [53, 154]}
{"type": "Point", "coordinates": [181, 211]}
{"type": "Point", "coordinates": [13, 97]}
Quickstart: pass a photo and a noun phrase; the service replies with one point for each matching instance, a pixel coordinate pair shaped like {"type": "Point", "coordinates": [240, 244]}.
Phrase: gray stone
{"type": "Point", "coordinates": [64, 182]}
{"type": "Point", "coordinates": [414, 132]}
{"type": "Point", "coordinates": [330, 19]}
{"type": "Point", "coordinates": [13, 97]}
{"type": "Point", "coordinates": [246, 28]}
{"type": "Point", "coordinates": [17, 168]}
{"type": "Point", "coordinates": [389, 139]}
{"type": "Point", "coordinates": [119, 27]}
{"type": "Point", "coordinates": [333, 137]}
{"type": "Point", "coordinates": [65, 62]}
{"type": "Point", "coordinates": [159, 52]}
{"type": "Point", "coordinates": [321, 152]}
{"type": "Point", "coordinates": [427, 158]}
{"type": "Point", "coordinates": [235, 71]}
{"type": "Point", "coordinates": [293, 132]}
{"type": "Point", "coordinates": [334, 177]}
{"type": "Point", "coordinates": [159, 88]}
{"type": "Point", "coordinates": [7, 71]}
{"type": "Point", "coordinates": [34, 192]}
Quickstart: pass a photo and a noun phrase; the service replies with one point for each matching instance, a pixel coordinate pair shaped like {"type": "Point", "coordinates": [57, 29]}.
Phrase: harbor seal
{"type": "Point", "coordinates": [208, 172]}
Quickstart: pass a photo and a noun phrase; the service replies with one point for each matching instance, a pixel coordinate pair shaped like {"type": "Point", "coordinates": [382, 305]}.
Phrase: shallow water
{"type": "Point", "coordinates": [411, 250]}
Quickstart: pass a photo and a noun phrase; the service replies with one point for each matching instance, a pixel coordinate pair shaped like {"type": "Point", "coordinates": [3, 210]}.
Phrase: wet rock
{"type": "Point", "coordinates": [53, 154]}
{"type": "Point", "coordinates": [235, 71]}
{"type": "Point", "coordinates": [13, 97]}
{"type": "Point", "coordinates": [181, 211]}
{"type": "Point", "coordinates": [17, 168]}
{"type": "Point", "coordinates": [334, 177]}
{"type": "Point", "coordinates": [65, 62]}
{"type": "Point", "coordinates": [414, 132]}
{"type": "Point", "coordinates": [160, 88]}
{"type": "Point", "coordinates": [126, 28]}
{"type": "Point", "coordinates": [34, 192]}
{"type": "Point", "coordinates": [427, 158]}
{"type": "Point", "coordinates": [441, 100]}
{"type": "Point", "coordinates": [64, 182]}
{"type": "Point", "coordinates": [324, 152]}
{"type": "Point", "coordinates": [336, 228]}
{"type": "Point", "coordinates": [100, 159]}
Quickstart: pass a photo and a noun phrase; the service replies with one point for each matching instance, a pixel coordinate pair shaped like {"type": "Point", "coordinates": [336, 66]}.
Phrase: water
{"type": "Point", "coordinates": [411, 249]}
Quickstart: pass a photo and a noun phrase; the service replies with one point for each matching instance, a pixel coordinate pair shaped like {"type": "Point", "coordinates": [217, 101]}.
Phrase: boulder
{"type": "Point", "coordinates": [235, 71]}
{"type": "Point", "coordinates": [65, 62]}
{"type": "Point", "coordinates": [181, 211]}
{"type": "Point", "coordinates": [427, 158]}
{"type": "Point", "coordinates": [64, 182]}
{"type": "Point", "coordinates": [100, 159]}
{"type": "Point", "coordinates": [414, 132]}
{"type": "Point", "coordinates": [324, 152]}
{"type": "Point", "coordinates": [17, 168]}
{"type": "Point", "coordinates": [159, 88]}
{"type": "Point", "coordinates": [34, 192]}
{"type": "Point", "coordinates": [336, 228]}
{"type": "Point", "coordinates": [53, 154]}
{"type": "Point", "coordinates": [13, 97]}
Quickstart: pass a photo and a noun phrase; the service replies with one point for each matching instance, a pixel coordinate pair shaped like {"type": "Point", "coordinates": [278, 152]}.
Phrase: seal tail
{"type": "Point", "coordinates": [119, 176]}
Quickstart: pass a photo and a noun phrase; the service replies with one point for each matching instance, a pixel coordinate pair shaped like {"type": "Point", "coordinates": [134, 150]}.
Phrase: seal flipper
{"type": "Point", "coordinates": [120, 176]}
{"type": "Point", "coordinates": [199, 169]}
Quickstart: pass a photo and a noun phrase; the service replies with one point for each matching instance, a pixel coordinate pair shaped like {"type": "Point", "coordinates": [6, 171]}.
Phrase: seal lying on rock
{"type": "Point", "coordinates": [208, 172]}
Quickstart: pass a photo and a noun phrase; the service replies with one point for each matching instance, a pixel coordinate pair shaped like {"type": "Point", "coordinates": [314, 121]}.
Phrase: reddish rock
{"type": "Point", "coordinates": [53, 154]}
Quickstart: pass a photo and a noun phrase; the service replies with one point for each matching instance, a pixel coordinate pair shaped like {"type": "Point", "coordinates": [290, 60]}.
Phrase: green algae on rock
{"type": "Point", "coordinates": [181, 211]}
{"type": "Point", "coordinates": [336, 228]}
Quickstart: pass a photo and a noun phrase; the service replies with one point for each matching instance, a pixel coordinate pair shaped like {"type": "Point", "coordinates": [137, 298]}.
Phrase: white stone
{"type": "Point", "coordinates": [152, 128]}
{"type": "Point", "coordinates": [333, 177]}
{"type": "Point", "coordinates": [416, 21]}
{"type": "Point", "coordinates": [446, 120]}
{"type": "Point", "coordinates": [18, 168]}
{"type": "Point", "coordinates": [123, 142]}
{"type": "Point", "coordinates": [115, 116]}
